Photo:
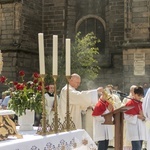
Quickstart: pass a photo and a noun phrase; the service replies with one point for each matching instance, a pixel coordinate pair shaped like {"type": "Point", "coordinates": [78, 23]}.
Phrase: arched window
{"type": "Point", "coordinates": [95, 24]}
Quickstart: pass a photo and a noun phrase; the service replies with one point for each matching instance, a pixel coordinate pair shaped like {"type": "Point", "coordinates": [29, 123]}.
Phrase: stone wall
{"type": "Point", "coordinates": [130, 78]}
{"type": "Point", "coordinates": [54, 23]}
{"type": "Point", "coordinates": [115, 25]}
{"type": "Point", "coordinates": [112, 63]}
{"type": "Point", "coordinates": [22, 20]}
{"type": "Point", "coordinates": [9, 25]}
{"type": "Point", "coordinates": [20, 23]}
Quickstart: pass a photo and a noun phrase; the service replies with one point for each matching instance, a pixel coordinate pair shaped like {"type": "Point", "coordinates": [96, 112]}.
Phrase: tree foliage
{"type": "Point", "coordinates": [83, 54]}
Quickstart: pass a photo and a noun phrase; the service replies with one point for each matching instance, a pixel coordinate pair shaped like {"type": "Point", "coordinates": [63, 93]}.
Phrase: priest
{"type": "Point", "coordinates": [78, 101]}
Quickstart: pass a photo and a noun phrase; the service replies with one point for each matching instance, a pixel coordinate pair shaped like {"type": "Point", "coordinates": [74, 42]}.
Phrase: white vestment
{"type": "Point", "coordinates": [116, 100]}
{"type": "Point", "coordinates": [100, 131]}
{"type": "Point", "coordinates": [136, 128]}
{"type": "Point", "coordinates": [146, 111]}
{"type": "Point", "coordinates": [49, 101]}
{"type": "Point", "coordinates": [78, 101]}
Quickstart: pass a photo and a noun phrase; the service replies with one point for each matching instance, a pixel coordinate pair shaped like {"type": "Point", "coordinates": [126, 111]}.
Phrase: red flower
{"type": "Point", "coordinates": [36, 75]}
{"type": "Point", "coordinates": [20, 86]}
{"type": "Point", "coordinates": [21, 73]}
{"type": "Point", "coordinates": [39, 88]}
{"type": "Point", "coordinates": [15, 83]}
{"type": "Point", "coordinates": [35, 81]}
{"type": "Point", "coordinates": [3, 79]}
{"type": "Point", "coordinates": [40, 83]}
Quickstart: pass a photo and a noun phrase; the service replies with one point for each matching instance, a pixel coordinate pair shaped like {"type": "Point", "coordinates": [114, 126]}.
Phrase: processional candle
{"type": "Point", "coordinates": [68, 62]}
{"type": "Point", "coordinates": [55, 55]}
{"type": "Point", "coordinates": [41, 53]}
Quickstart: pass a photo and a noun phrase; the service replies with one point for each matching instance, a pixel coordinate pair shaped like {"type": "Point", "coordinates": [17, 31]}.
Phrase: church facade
{"type": "Point", "coordinates": [123, 26]}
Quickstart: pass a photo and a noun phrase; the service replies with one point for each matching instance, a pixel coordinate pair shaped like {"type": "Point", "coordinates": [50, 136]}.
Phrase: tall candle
{"type": "Point", "coordinates": [55, 54]}
{"type": "Point", "coordinates": [68, 62]}
{"type": "Point", "coordinates": [41, 53]}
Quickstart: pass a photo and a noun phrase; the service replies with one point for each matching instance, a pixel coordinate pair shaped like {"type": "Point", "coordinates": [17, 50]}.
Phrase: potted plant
{"type": "Point", "coordinates": [26, 95]}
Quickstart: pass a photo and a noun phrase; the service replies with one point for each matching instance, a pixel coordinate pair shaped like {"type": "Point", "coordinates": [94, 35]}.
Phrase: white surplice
{"type": "Point", "coordinates": [100, 131]}
{"type": "Point", "coordinates": [49, 101]}
{"type": "Point", "coordinates": [78, 101]}
{"type": "Point", "coordinates": [136, 128]}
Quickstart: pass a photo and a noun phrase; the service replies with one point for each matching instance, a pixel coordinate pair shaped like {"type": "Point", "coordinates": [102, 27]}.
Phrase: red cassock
{"type": "Point", "coordinates": [136, 109]}
{"type": "Point", "coordinates": [100, 108]}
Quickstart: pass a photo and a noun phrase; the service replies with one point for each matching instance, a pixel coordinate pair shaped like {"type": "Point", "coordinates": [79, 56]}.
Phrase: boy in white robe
{"type": "Point", "coordinates": [126, 143]}
{"type": "Point", "coordinates": [102, 133]}
{"type": "Point", "coordinates": [49, 101]}
{"type": "Point", "coordinates": [135, 120]}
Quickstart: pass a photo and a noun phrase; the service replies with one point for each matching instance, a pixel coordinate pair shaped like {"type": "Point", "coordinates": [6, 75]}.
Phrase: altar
{"type": "Point", "coordinates": [72, 140]}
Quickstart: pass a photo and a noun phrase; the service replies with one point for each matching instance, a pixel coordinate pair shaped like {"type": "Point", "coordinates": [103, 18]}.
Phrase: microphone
{"type": "Point", "coordinates": [122, 94]}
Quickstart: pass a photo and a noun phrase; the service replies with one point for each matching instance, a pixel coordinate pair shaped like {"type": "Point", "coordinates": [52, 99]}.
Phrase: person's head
{"type": "Point", "coordinates": [3, 95]}
{"type": "Point", "coordinates": [145, 85]}
{"type": "Point", "coordinates": [138, 93]}
{"type": "Point", "coordinates": [104, 96]}
{"type": "Point", "coordinates": [51, 88]}
{"type": "Point", "coordinates": [132, 90]}
{"type": "Point", "coordinates": [110, 88]}
{"type": "Point", "coordinates": [75, 80]}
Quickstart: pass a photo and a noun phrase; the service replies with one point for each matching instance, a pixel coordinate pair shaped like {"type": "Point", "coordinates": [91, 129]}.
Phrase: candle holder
{"type": "Point", "coordinates": [68, 123]}
{"type": "Point", "coordinates": [43, 130]}
{"type": "Point", "coordinates": [56, 125]}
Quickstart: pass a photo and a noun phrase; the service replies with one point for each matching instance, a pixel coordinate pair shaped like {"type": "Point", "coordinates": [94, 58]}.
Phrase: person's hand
{"type": "Point", "coordinates": [141, 117]}
{"type": "Point", "coordinates": [100, 89]}
{"type": "Point", "coordinates": [110, 107]}
{"type": "Point", "coordinates": [141, 113]}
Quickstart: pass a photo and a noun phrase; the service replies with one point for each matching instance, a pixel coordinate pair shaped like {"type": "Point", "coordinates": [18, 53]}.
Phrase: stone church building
{"type": "Point", "coordinates": [123, 26]}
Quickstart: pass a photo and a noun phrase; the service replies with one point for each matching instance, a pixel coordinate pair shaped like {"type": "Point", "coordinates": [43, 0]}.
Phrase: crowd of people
{"type": "Point", "coordinates": [101, 101]}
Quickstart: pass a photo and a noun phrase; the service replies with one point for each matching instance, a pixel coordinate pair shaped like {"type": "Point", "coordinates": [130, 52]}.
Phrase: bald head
{"type": "Point", "coordinates": [75, 80]}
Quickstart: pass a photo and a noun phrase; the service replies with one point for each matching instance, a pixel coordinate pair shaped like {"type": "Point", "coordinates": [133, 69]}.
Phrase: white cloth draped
{"type": "Point", "coordinates": [136, 128]}
{"type": "Point", "coordinates": [146, 111]}
{"type": "Point", "coordinates": [146, 105]}
{"type": "Point", "coordinates": [101, 131]}
{"type": "Point", "coordinates": [59, 141]}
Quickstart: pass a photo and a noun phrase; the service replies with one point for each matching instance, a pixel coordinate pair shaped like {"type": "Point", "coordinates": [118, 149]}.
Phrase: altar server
{"type": "Point", "coordinates": [49, 100]}
{"type": "Point", "coordinates": [102, 133]}
{"type": "Point", "coordinates": [78, 101]}
{"type": "Point", "coordinates": [135, 120]}
{"type": "Point", "coordinates": [126, 143]}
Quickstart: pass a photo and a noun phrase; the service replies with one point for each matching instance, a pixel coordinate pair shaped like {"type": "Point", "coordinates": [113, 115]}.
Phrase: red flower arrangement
{"type": "Point", "coordinates": [26, 95]}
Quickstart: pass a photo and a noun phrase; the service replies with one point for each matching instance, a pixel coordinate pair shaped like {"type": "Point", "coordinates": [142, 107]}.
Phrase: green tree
{"type": "Point", "coordinates": [83, 59]}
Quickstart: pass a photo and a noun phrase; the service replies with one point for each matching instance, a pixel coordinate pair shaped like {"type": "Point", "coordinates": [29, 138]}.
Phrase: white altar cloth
{"type": "Point", "coordinates": [6, 112]}
{"type": "Point", "coordinates": [32, 141]}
